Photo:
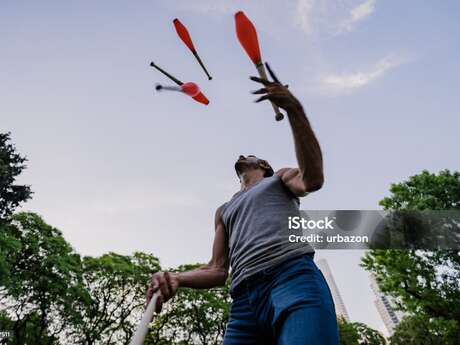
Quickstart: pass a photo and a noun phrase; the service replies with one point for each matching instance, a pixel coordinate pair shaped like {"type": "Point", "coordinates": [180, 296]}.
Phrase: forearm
{"type": "Point", "coordinates": [202, 278]}
{"type": "Point", "coordinates": [307, 148]}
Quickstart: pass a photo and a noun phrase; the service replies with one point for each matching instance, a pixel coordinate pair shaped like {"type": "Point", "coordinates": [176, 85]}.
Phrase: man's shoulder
{"type": "Point", "coordinates": [283, 172]}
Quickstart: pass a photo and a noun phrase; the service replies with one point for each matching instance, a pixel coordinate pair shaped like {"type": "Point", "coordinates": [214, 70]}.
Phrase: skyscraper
{"type": "Point", "coordinates": [390, 317]}
{"type": "Point", "coordinates": [340, 309]}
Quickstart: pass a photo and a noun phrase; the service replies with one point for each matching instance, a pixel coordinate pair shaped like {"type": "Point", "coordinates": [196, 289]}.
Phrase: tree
{"type": "Point", "coordinates": [116, 285]}
{"type": "Point", "coordinates": [419, 329]}
{"type": "Point", "coordinates": [425, 191]}
{"type": "Point", "coordinates": [356, 333]}
{"type": "Point", "coordinates": [44, 281]}
{"type": "Point", "coordinates": [11, 165]}
{"type": "Point", "coordinates": [193, 317]}
{"type": "Point", "coordinates": [423, 283]}
{"type": "Point", "coordinates": [47, 293]}
{"type": "Point", "coordinates": [51, 294]}
{"type": "Point", "coordinates": [11, 195]}
{"type": "Point", "coordinates": [348, 334]}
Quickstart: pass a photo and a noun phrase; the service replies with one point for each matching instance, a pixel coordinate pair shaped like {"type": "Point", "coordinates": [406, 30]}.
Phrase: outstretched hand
{"type": "Point", "coordinates": [275, 91]}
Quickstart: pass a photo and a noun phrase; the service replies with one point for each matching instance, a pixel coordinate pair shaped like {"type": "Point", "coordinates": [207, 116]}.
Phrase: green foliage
{"type": "Point", "coordinates": [116, 285]}
{"type": "Point", "coordinates": [414, 330]}
{"type": "Point", "coordinates": [356, 333]}
{"type": "Point", "coordinates": [43, 280]}
{"type": "Point", "coordinates": [425, 191]}
{"type": "Point", "coordinates": [193, 317]}
{"type": "Point", "coordinates": [49, 293]}
{"type": "Point", "coordinates": [11, 165]}
{"type": "Point", "coordinates": [347, 333]}
{"type": "Point", "coordinates": [9, 247]}
{"type": "Point", "coordinates": [423, 283]}
{"type": "Point", "coordinates": [11, 196]}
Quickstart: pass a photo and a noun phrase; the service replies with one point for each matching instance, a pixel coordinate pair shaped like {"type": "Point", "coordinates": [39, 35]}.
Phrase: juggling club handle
{"type": "Point", "coordinates": [201, 64]}
{"type": "Point", "coordinates": [143, 327]}
{"type": "Point", "coordinates": [177, 81]}
{"type": "Point", "coordinates": [261, 69]}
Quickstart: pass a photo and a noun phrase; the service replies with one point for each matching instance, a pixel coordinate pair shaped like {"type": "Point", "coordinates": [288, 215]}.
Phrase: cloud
{"type": "Point", "coordinates": [304, 15]}
{"type": "Point", "coordinates": [357, 14]}
{"type": "Point", "coordinates": [363, 10]}
{"type": "Point", "coordinates": [204, 7]}
{"type": "Point", "coordinates": [209, 6]}
{"type": "Point", "coordinates": [356, 80]}
{"type": "Point", "coordinates": [331, 17]}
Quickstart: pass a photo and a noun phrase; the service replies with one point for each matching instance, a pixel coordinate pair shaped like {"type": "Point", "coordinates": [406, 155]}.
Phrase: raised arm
{"type": "Point", "coordinates": [211, 275]}
{"type": "Point", "coordinates": [308, 177]}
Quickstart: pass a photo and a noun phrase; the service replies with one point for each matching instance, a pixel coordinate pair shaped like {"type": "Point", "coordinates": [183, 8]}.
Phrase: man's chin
{"type": "Point", "coordinates": [242, 166]}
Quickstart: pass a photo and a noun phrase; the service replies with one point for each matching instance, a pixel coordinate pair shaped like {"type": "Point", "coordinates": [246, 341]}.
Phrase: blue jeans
{"type": "Point", "coordinates": [287, 304]}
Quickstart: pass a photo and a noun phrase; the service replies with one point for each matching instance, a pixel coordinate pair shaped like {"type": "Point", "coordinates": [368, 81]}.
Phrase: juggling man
{"type": "Point", "coordinates": [279, 295]}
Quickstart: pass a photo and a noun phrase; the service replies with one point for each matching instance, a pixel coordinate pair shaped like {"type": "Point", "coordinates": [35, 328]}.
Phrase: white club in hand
{"type": "Point", "coordinates": [143, 327]}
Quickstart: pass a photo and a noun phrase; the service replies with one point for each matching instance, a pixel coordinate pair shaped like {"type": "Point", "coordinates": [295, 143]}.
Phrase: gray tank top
{"type": "Point", "coordinates": [256, 221]}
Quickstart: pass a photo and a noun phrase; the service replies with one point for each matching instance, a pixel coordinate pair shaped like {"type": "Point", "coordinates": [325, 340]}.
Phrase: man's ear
{"type": "Point", "coordinates": [267, 167]}
{"type": "Point", "coordinates": [264, 164]}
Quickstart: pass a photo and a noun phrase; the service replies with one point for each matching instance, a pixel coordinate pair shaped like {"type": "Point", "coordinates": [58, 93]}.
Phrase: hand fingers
{"type": "Point", "coordinates": [260, 80]}
{"type": "Point", "coordinates": [148, 294]}
{"type": "Point", "coordinates": [150, 290]}
{"type": "Point", "coordinates": [153, 287]}
{"type": "Point", "coordinates": [270, 97]}
{"type": "Point", "coordinates": [270, 88]}
{"type": "Point", "coordinates": [260, 91]}
{"type": "Point", "coordinates": [169, 281]}
{"type": "Point", "coordinates": [159, 304]}
{"type": "Point", "coordinates": [155, 284]}
{"type": "Point", "coordinates": [169, 284]}
{"type": "Point", "coordinates": [161, 284]}
{"type": "Point", "coordinates": [260, 99]}
{"type": "Point", "coordinates": [272, 74]}
{"type": "Point", "coordinates": [164, 288]}
{"type": "Point", "coordinates": [148, 297]}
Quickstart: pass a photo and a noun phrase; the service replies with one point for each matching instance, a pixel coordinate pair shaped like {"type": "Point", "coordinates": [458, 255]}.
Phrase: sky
{"type": "Point", "coordinates": [119, 167]}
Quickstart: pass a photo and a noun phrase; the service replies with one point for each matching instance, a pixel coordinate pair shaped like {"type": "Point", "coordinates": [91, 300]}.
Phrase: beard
{"type": "Point", "coordinates": [244, 166]}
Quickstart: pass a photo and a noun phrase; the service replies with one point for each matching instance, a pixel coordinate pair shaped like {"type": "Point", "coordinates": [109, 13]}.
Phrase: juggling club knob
{"type": "Point", "coordinates": [279, 117]}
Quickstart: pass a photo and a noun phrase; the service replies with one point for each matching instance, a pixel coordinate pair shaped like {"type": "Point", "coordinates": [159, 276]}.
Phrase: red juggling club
{"type": "Point", "coordinates": [247, 35]}
{"type": "Point", "coordinates": [185, 37]}
{"type": "Point", "coordinates": [188, 88]}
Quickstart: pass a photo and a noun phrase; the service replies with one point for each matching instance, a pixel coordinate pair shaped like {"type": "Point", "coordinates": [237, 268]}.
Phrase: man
{"type": "Point", "coordinates": [279, 295]}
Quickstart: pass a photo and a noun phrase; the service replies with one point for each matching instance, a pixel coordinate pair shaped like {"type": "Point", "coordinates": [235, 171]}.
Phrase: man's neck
{"type": "Point", "coordinates": [248, 179]}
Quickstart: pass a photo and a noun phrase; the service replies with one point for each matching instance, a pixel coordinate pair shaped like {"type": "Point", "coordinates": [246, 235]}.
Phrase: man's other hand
{"type": "Point", "coordinates": [165, 284]}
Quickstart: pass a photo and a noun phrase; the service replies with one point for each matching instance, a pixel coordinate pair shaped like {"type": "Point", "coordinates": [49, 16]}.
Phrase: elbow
{"type": "Point", "coordinates": [221, 277]}
{"type": "Point", "coordinates": [314, 185]}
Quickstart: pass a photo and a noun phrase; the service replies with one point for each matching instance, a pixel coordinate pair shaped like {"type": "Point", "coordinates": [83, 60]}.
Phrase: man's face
{"type": "Point", "coordinates": [245, 163]}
